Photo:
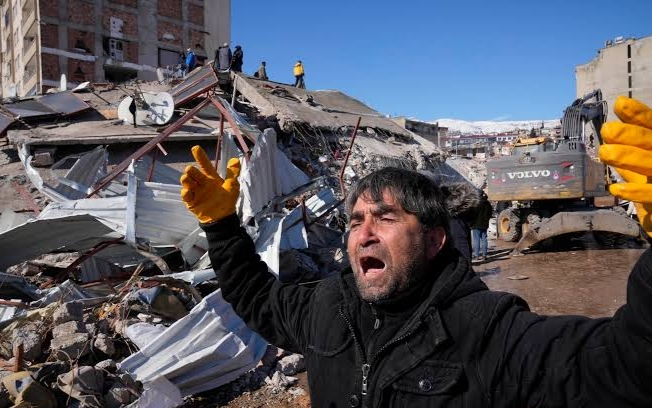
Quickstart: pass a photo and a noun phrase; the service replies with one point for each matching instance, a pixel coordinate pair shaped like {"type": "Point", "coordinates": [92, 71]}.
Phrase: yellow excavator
{"type": "Point", "coordinates": [547, 187]}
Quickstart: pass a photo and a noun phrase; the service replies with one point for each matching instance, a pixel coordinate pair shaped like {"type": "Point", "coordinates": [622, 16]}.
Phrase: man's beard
{"type": "Point", "coordinates": [401, 277]}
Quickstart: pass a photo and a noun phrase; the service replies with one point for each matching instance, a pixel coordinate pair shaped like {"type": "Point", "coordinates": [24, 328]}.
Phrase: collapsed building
{"type": "Point", "coordinates": [109, 296]}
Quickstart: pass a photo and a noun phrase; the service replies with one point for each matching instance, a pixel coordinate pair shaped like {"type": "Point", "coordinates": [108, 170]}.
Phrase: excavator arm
{"type": "Point", "coordinates": [589, 108]}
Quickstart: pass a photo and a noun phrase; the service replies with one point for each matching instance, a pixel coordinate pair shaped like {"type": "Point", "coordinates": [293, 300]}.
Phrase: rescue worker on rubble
{"type": "Point", "coordinates": [191, 60]}
{"type": "Point", "coordinates": [410, 324]}
{"type": "Point", "coordinates": [237, 60]}
{"type": "Point", "coordinates": [261, 73]}
{"type": "Point", "coordinates": [299, 73]}
{"type": "Point", "coordinates": [223, 57]}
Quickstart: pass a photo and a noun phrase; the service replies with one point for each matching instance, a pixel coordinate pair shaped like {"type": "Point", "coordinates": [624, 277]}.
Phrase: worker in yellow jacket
{"type": "Point", "coordinates": [298, 75]}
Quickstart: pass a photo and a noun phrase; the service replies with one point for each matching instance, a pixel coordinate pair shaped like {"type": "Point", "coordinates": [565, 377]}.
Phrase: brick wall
{"type": "Point", "coordinates": [197, 37]}
{"type": "Point", "coordinates": [131, 50]}
{"type": "Point", "coordinates": [174, 29]}
{"type": "Point", "coordinates": [81, 12]}
{"type": "Point", "coordinates": [196, 14]}
{"type": "Point", "coordinates": [49, 8]}
{"type": "Point", "coordinates": [83, 37]}
{"type": "Point", "coordinates": [170, 8]}
{"type": "Point", "coordinates": [50, 67]}
{"type": "Point", "coordinates": [129, 20]}
{"type": "Point", "coordinates": [88, 69]}
{"type": "Point", "coordinates": [49, 35]}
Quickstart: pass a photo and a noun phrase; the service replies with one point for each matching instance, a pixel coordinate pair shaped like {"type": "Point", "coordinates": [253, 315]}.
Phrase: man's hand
{"type": "Point", "coordinates": [628, 148]}
{"type": "Point", "coordinates": [205, 193]}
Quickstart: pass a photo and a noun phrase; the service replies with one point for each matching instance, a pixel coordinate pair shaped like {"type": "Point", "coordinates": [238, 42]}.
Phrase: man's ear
{"type": "Point", "coordinates": [436, 238]}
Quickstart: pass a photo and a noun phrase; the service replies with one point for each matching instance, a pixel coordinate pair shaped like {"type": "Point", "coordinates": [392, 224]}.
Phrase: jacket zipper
{"type": "Point", "coordinates": [390, 343]}
{"type": "Point", "coordinates": [365, 367]}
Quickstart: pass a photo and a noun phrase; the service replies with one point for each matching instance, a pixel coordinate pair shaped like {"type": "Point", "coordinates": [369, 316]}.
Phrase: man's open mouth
{"type": "Point", "coordinates": [370, 264]}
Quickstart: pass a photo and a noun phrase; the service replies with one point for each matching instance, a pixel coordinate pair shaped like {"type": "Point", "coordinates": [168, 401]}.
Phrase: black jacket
{"type": "Point", "coordinates": [461, 345]}
{"type": "Point", "coordinates": [462, 202]}
{"type": "Point", "coordinates": [483, 215]}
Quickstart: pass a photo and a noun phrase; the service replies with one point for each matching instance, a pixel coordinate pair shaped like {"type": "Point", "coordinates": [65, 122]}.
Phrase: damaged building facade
{"type": "Point", "coordinates": [41, 40]}
{"type": "Point", "coordinates": [622, 67]}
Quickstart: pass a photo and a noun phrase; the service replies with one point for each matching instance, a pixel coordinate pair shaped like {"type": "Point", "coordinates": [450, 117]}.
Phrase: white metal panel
{"type": "Point", "coordinates": [209, 347]}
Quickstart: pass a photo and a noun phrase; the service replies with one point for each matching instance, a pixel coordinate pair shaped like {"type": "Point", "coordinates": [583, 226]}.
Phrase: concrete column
{"type": "Point", "coordinates": [98, 48]}
{"type": "Point", "coordinates": [217, 22]}
{"type": "Point", "coordinates": [186, 26]}
{"type": "Point", "coordinates": [148, 40]}
{"type": "Point", "coordinates": [63, 36]}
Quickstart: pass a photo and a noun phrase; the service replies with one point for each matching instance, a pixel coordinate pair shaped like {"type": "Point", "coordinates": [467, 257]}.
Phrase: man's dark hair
{"type": "Point", "coordinates": [413, 191]}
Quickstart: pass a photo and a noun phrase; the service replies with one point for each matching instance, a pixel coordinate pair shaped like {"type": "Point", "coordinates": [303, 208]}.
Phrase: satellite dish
{"type": "Point", "coordinates": [63, 83]}
{"type": "Point", "coordinates": [151, 108]}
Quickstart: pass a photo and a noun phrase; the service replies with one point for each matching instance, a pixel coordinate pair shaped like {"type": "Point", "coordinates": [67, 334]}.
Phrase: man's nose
{"type": "Point", "coordinates": [367, 232]}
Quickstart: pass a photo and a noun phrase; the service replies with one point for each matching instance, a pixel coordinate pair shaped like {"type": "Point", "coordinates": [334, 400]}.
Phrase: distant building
{"type": "Point", "coordinates": [622, 67]}
{"type": "Point", "coordinates": [429, 131]}
{"type": "Point", "coordinates": [102, 40]}
{"type": "Point", "coordinates": [472, 145]}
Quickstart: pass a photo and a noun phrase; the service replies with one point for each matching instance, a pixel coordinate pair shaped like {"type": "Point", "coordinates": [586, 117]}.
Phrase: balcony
{"type": "Point", "coordinates": [29, 20]}
{"type": "Point", "coordinates": [29, 78]}
{"type": "Point", "coordinates": [29, 47]}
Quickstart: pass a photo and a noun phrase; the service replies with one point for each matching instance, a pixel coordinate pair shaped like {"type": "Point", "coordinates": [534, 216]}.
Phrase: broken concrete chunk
{"type": "Point", "coordinates": [122, 391]}
{"type": "Point", "coordinates": [280, 381]}
{"type": "Point", "coordinates": [30, 339]}
{"type": "Point", "coordinates": [291, 364]}
{"type": "Point", "coordinates": [109, 365]}
{"type": "Point", "coordinates": [68, 311]}
{"type": "Point", "coordinates": [43, 157]}
{"type": "Point", "coordinates": [70, 346]}
{"type": "Point", "coordinates": [68, 328]}
{"type": "Point", "coordinates": [119, 396]}
{"type": "Point", "coordinates": [104, 343]}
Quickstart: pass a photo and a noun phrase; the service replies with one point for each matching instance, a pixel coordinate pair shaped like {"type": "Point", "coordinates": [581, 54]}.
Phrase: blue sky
{"type": "Point", "coordinates": [430, 59]}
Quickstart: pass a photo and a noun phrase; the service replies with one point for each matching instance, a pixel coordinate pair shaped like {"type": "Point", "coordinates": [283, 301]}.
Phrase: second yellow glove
{"type": "Point", "coordinates": [205, 193]}
{"type": "Point", "coordinates": [628, 147]}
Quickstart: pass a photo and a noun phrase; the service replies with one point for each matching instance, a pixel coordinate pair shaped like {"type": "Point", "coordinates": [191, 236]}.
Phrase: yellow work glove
{"type": "Point", "coordinates": [205, 193]}
{"type": "Point", "coordinates": [628, 148]}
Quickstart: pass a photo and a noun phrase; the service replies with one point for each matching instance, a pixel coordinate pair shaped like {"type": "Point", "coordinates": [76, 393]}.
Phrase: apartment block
{"type": "Point", "coordinates": [622, 67]}
{"type": "Point", "coordinates": [102, 40]}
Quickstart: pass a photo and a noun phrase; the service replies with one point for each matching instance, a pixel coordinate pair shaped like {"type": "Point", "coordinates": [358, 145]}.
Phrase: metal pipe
{"type": "Point", "coordinates": [220, 138]}
{"type": "Point", "coordinates": [150, 173]}
{"type": "Point", "coordinates": [234, 126]}
{"type": "Point", "coordinates": [346, 158]}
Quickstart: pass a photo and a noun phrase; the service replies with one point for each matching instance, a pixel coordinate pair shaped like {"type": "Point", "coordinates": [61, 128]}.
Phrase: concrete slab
{"type": "Point", "coordinates": [319, 109]}
{"type": "Point", "coordinates": [94, 132]}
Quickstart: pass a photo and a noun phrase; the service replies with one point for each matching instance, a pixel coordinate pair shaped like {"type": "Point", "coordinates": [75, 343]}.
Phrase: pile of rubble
{"type": "Point", "coordinates": [109, 296]}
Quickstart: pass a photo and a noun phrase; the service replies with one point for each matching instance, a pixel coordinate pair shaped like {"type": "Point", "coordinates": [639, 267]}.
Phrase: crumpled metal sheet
{"type": "Point", "coordinates": [61, 103]}
{"type": "Point", "coordinates": [268, 174]}
{"type": "Point", "coordinates": [5, 122]}
{"type": "Point", "coordinates": [29, 240]}
{"type": "Point", "coordinates": [209, 347]}
{"type": "Point", "coordinates": [66, 103]}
